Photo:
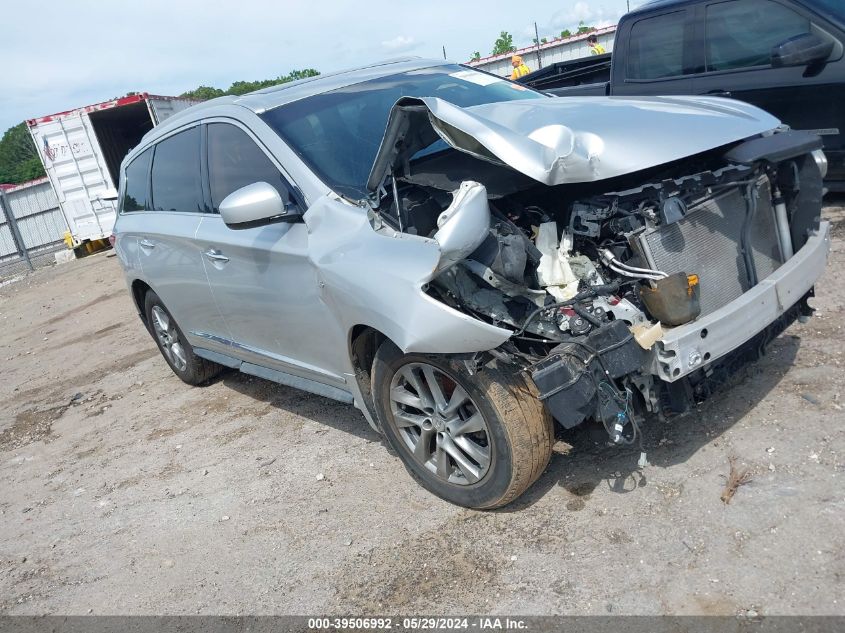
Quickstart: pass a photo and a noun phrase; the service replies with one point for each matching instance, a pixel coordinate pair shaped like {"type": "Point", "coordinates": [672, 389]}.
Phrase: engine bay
{"type": "Point", "coordinates": [589, 276]}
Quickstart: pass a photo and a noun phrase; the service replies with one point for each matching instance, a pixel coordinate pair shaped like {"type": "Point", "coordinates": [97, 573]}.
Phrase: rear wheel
{"type": "Point", "coordinates": [478, 441]}
{"type": "Point", "coordinates": [174, 346]}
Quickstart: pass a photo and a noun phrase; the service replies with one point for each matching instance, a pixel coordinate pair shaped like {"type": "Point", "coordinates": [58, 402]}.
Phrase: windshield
{"type": "Point", "coordinates": [338, 133]}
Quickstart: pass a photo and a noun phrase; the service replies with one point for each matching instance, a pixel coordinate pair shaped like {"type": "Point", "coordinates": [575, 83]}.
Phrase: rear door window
{"type": "Point", "coordinates": [742, 33]}
{"type": "Point", "coordinates": [235, 161]}
{"type": "Point", "coordinates": [137, 181]}
{"type": "Point", "coordinates": [656, 47]}
{"type": "Point", "coordinates": [176, 177]}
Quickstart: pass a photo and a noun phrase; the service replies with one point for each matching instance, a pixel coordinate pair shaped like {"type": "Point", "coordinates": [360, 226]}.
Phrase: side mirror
{"type": "Point", "coordinates": [801, 50]}
{"type": "Point", "coordinates": [254, 205]}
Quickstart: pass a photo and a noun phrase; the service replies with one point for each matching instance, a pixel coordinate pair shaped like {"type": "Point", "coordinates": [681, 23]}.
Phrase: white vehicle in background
{"type": "Point", "coordinates": [81, 150]}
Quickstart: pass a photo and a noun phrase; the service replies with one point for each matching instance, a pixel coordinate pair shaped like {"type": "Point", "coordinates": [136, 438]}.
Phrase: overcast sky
{"type": "Point", "coordinates": [61, 55]}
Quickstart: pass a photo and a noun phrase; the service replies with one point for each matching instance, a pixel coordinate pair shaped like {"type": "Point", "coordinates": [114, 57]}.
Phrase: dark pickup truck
{"type": "Point", "coordinates": [784, 56]}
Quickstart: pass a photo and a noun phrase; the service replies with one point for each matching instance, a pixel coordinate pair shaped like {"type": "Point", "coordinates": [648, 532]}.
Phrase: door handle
{"type": "Point", "coordinates": [720, 93]}
{"type": "Point", "coordinates": [146, 243]}
{"type": "Point", "coordinates": [215, 255]}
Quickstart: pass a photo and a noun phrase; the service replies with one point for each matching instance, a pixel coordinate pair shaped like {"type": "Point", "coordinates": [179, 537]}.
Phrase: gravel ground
{"type": "Point", "coordinates": [122, 490]}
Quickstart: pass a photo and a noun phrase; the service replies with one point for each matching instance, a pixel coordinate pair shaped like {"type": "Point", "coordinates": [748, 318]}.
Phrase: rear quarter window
{"type": "Point", "coordinates": [137, 181]}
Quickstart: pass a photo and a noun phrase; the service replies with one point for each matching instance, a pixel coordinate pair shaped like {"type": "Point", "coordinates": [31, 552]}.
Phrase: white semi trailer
{"type": "Point", "coordinates": [82, 149]}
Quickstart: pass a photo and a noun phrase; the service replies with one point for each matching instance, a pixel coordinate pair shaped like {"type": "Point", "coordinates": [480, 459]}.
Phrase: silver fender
{"type": "Point", "coordinates": [376, 278]}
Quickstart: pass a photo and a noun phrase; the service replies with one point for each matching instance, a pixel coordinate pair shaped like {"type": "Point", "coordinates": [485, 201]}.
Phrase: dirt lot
{"type": "Point", "coordinates": [122, 490]}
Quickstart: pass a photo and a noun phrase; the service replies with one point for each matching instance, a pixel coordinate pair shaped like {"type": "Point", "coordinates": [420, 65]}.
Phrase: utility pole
{"type": "Point", "coordinates": [628, 3]}
{"type": "Point", "coordinates": [537, 36]}
{"type": "Point", "coordinates": [444, 51]}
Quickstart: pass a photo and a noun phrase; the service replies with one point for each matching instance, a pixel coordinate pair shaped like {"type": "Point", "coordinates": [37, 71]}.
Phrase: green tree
{"type": "Point", "coordinates": [504, 44]}
{"type": "Point", "coordinates": [582, 28]}
{"type": "Point", "coordinates": [203, 93]}
{"type": "Point", "coordinates": [302, 74]}
{"type": "Point", "coordinates": [242, 87]}
{"type": "Point", "coordinates": [19, 160]}
{"type": "Point", "coordinates": [566, 33]}
{"type": "Point", "coordinates": [475, 56]}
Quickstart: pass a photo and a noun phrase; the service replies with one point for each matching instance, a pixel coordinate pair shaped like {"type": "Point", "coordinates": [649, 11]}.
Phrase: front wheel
{"type": "Point", "coordinates": [478, 441]}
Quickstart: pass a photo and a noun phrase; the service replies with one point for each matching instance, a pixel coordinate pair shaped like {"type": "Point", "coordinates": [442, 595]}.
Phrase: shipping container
{"type": "Point", "coordinates": [82, 149]}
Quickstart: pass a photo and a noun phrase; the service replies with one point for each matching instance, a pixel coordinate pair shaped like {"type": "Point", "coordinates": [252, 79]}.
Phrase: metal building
{"type": "Point", "coordinates": [556, 50]}
{"type": "Point", "coordinates": [32, 226]}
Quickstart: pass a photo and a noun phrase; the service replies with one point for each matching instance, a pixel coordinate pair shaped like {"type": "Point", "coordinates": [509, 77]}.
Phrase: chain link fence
{"type": "Point", "coordinates": [32, 227]}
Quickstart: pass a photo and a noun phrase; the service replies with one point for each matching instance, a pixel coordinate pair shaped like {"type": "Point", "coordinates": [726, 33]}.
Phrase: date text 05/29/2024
{"type": "Point", "coordinates": [417, 624]}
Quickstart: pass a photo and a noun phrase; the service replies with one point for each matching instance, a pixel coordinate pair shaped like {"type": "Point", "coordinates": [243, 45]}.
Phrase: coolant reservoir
{"type": "Point", "coordinates": [673, 300]}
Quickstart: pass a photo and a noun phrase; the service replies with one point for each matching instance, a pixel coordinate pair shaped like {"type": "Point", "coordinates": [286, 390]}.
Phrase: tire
{"type": "Point", "coordinates": [482, 468]}
{"type": "Point", "coordinates": [173, 345]}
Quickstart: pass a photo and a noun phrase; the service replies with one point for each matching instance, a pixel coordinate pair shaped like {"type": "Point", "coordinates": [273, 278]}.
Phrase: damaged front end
{"type": "Point", "coordinates": [605, 277]}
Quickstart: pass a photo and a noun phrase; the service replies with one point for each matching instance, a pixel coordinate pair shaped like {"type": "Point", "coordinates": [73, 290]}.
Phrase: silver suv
{"type": "Point", "coordinates": [468, 261]}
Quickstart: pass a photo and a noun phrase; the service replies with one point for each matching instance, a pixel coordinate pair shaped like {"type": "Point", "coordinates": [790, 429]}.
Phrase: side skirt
{"type": "Point", "coordinates": [312, 386]}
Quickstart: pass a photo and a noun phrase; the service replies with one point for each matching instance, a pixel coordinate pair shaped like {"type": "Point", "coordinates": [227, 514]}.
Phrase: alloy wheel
{"type": "Point", "coordinates": [440, 424]}
{"type": "Point", "coordinates": [168, 336]}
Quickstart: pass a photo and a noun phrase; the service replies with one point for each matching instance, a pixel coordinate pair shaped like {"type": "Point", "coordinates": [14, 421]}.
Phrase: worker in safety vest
{"type": "Point", "coordinates": [519, 68]}
{"type": "Point", "coordinates": [595, 47]}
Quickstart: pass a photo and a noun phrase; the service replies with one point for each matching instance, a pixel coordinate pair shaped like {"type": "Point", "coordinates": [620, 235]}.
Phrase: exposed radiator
{"type": "Point", "coordinates": [707, 242]}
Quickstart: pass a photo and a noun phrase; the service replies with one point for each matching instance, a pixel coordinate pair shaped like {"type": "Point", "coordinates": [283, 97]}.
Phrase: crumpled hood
{"type": "Point", "coordinates": [569, 139]}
